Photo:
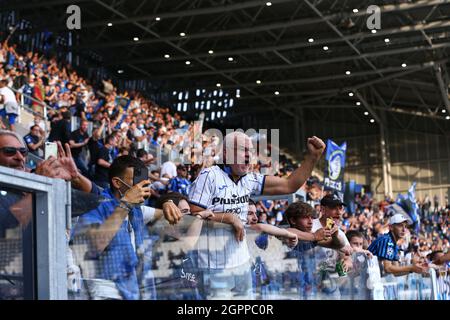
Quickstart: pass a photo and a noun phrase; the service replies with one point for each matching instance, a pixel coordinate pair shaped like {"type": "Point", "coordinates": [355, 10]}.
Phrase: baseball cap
{"type": "Point", "coordinates": [397, 218]}
{"type": "Point", "coordinates": [181, 167]}
{"type": "Point", "coordinates": [331, 200]}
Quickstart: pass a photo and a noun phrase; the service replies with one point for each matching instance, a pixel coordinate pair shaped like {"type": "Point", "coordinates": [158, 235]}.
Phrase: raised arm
{"type": "Point", "coordinates": [277, 185]}
{"type": "Point", "coordinates": [397, 270]}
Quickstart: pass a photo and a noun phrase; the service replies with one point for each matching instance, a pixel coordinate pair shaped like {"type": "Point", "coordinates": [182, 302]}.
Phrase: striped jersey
{"type": "Point", "coordinates": [385, 248]}
{"type": "Point", "coordinates": [214, 189]}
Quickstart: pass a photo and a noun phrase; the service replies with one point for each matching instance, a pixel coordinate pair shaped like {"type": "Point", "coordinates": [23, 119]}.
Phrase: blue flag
{"type": "Point", "coordinates": [409, 205]}
{"type": "Point", "coordinates": [334, 167]}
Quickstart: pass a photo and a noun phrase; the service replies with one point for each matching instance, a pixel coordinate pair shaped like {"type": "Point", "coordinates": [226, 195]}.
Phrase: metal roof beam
{"type": "Point", "coordinates": [259, 28]}
{"type": "Point", "coordinates": [175, 46]}
{"type": "Point", "coordinates": [339, 33]}
{"type": "Point", "coordinates": [294, 44]}
{"type": "Point", "coordinates": [309, 63]}
{"type": "Point", "coordinates": [442, 86]}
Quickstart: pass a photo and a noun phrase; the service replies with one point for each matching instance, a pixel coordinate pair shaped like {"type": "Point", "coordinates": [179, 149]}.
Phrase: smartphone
{"type": "Point", "coordinates": [51, 149]}
{"type": "Point", "coordinates": [330, 223]}
{"type": "Point", "coordinates": [140, 174]}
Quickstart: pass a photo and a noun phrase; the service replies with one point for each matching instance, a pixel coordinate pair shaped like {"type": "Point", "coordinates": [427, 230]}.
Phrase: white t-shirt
{"type": "Point", "coordinates": [139, 133]}
{"type": "Point", "coordinates": [215, 190]}
{"type": "Point", "coordinates": [326, 256]}
{"type": "Point", "coordinates": [169, 168]}
{"type": "Point", "coordinates": [8, 95]}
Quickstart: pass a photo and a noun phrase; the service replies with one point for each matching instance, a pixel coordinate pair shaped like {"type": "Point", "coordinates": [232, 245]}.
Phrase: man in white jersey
{"type": "Point", "coordinates": [225, 190]}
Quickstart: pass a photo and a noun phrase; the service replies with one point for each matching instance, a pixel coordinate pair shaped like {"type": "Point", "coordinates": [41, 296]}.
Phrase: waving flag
{"type": "Point", "coordinates": [409, 205]}
{"type": "Point", "coordinates": [334, 168]}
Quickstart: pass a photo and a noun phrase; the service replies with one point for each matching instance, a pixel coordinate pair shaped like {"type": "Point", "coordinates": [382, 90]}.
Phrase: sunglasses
{"type": "Point", "coordinates": [11, 151]}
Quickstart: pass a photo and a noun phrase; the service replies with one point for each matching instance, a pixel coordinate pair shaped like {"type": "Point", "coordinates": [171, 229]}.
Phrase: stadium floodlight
{"type": "Point", "coordinates": [387, 40]}
{"type": "Point", "coordinates": [372, 120]}
{"type": "Point", "coordinates": [211, 52]}
{"type": "Point", "coordinates": [351, 94]}
{"type": "Point", "coordinates": [310, 40]}
{"type": "Point", "coordinates": [135, 39]}
{"type": "Point", "coordinates": [109, 24]}
{"type": "Point", "coordinates": [167, 56]}
{"type": "Point", "coordinates": [355, 10]}
{"type": "Point", "coordinates": [182, 34]}
{"type": "Point", "coordinates": [218, 85]}
{"type": "Point", "coordinates": [258, 81]}
{"type": "Point", "coordinates": [188, 62]}
{"type": "Point", "coordinates": [158, 18]}
{"type": "Point", "coordinates": [347, 72]}
{"type": "Point", "coordinates": [277, 93]}
{"type": "Point", "coordinates": [268, 3]}
{"type": "Point", "coordinates": [325, 48]}
{"type": "Point", "coordinates": [447, 118]}
{"type": "Point", "coordinates": [366, 113]}
{"type": "Point", "coordinates": [404, 65]}
{"type": "Point", "coordinates": [120, 71]}
{"type": "Point", "coordinates": [374, 31]}
{"type": "Point", "coordinates": [230, 59]}
{"type": "Point", "coordinates": [358, 103]}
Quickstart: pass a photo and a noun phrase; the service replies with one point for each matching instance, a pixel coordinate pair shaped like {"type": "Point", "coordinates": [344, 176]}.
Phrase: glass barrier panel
{"type": "Point", "coordinates": [16, 244]}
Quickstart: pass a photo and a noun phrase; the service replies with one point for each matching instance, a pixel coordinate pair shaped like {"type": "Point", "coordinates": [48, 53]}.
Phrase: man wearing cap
{"type": "Point", "coordinates": [386, 249]}
{"type": "Point", "coordinates": [333, 250]}
{"type": "Point", "coordinates": [180, 183]}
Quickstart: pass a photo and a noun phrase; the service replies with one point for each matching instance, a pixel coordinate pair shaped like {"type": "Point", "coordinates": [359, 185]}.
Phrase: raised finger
{"type": "Point", "coordinates": [61, 153]}
{"type": "Point", "coordinates": [68, 151]}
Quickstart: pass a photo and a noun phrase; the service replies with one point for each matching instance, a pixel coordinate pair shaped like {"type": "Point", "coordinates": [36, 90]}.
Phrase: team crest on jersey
{"type": "Point", "coordinates": [390, 251]}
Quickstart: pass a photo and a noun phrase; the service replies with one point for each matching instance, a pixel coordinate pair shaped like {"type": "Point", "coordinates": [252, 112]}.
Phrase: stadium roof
{"type": "Point", "coordinates": [282, 55]}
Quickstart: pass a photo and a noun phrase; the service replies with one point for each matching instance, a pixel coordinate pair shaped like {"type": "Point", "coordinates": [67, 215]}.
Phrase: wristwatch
{"type": "Point", "coordinates": [125, 205]}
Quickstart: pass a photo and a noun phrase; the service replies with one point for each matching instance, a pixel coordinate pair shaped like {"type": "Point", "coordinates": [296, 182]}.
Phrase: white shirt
{"type": "Point", "coordinates": [169, 168]}
{"type": "Point", "coordinates": [326, 256]}
{"type": "Point", "coordinates": [8, 95]}
{"type": "Point", "coordinates": [139, 133]}
{"type": "Point", "coordinates": [215, 190]}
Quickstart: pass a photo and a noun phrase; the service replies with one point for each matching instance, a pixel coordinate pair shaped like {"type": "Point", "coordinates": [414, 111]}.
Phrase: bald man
{"type": "Point", "coordinates": [225, 189]}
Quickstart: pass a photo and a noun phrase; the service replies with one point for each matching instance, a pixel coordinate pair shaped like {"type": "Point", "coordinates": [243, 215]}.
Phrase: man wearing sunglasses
{"type": "Point", "coordinates": [13, 153]}
{"type": "Point", "coordinates": [16, 208]}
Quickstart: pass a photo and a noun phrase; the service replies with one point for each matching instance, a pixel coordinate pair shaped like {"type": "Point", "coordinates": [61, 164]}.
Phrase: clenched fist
{"type": "Point", "coordinates": [315, 147]}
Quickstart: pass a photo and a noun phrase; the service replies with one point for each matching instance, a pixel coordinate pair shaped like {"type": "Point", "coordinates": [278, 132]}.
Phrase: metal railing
{"type": "Point", "coordinates": [45, 106]}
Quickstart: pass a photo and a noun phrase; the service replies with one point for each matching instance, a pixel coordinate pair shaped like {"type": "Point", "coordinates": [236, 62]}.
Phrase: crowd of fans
{"type": "Point", "coordinates": [119, 130]}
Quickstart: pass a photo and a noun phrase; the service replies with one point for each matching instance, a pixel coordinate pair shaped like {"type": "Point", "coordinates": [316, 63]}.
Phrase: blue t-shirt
{"type": "Point", "coordinates": [308, 278]}
{"type": "Point", "coordinates": [385, 248]}
{"type": "Point", "coordinates": [180, 185]}
{"type": "Point", "coordinates": [120, 261]}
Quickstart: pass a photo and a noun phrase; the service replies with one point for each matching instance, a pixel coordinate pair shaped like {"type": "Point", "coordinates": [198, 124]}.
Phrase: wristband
{"type": "Point", "coordinates": [124, 206]}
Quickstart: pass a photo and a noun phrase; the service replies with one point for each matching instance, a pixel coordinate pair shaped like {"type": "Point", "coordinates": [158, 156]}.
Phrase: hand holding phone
{"type": "Point", "coordinates": [51, 150]}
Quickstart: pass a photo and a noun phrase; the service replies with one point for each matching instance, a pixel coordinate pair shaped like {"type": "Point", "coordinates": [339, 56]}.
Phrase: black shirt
{"type": "Point", "coordinates": [94, 149]}
{"type": "Point", "coordinates": [101, 173]}
{"type": "Point", "coordinates": [31, 139]}
{"type": "Point", "coordinates": [78, 137]}
{"type": "Point", "coordinates": [60, 131]}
